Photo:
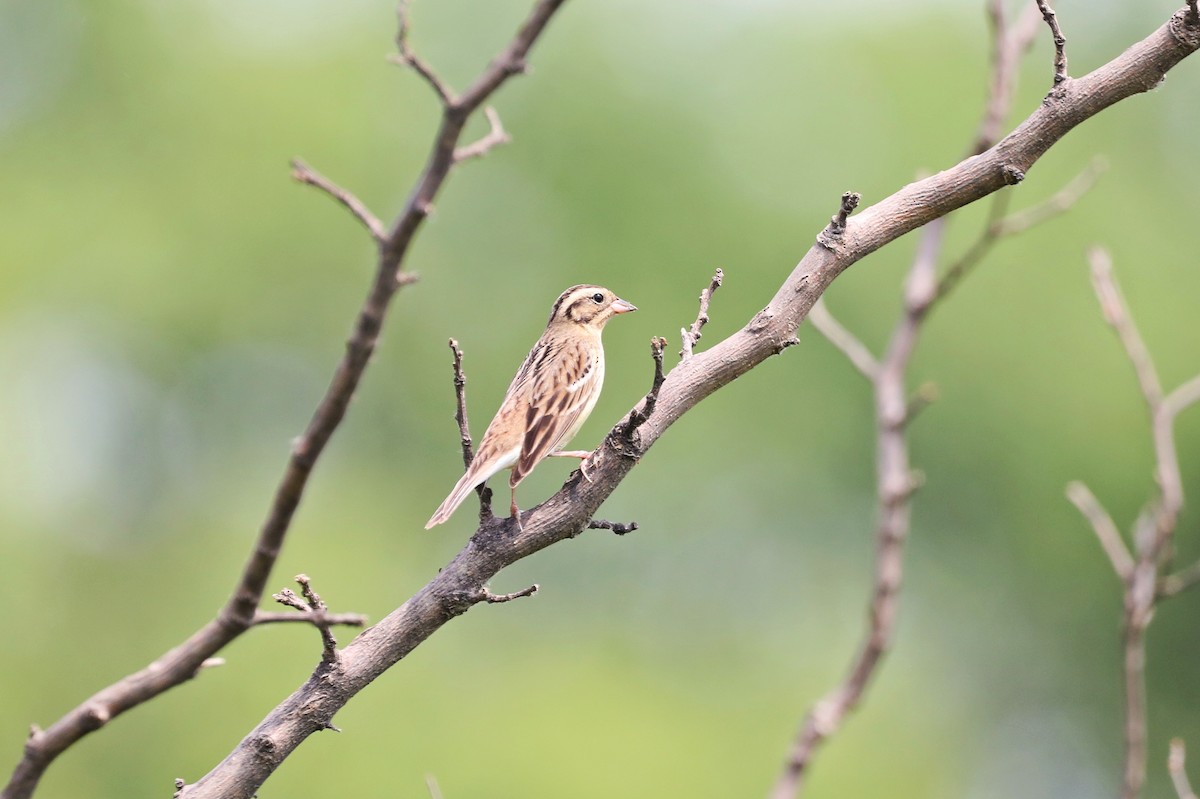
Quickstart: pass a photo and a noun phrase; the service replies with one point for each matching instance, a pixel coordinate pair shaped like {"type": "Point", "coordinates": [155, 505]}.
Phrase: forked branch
{"type": "Point", "coordinates": [1140, 566]}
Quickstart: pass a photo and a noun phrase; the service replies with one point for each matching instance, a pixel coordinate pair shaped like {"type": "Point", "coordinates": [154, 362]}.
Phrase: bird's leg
{"type": "Point", "coordinates": [516, 512]}
{"type": "Point", "coordinates": [583, 456]}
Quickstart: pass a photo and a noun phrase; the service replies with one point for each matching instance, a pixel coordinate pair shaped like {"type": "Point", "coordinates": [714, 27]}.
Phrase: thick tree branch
{"type": "Point", "coordinates": [183, 662]}
{"type": "Point", "coordinates": [496, 545]}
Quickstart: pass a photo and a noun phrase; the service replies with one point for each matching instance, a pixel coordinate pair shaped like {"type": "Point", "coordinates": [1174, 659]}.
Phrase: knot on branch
{"type": "Point", "coordinates": [1011, 174]}
{"type": "Point", "coordinates": [832, 233]}
{"type": "Point", "coordinates": [1185, 26]}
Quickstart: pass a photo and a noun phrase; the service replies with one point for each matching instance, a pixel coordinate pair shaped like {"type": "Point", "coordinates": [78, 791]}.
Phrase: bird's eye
{"type": "Point", "coordinates": [597, 298]}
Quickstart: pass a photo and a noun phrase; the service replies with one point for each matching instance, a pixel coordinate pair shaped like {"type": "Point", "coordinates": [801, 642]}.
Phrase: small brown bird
{"type": "Point", "coordinates": [549, 399]}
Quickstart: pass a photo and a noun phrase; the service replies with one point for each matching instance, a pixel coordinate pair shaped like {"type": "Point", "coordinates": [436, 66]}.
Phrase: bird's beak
{"type": "Point", "coordinates": [620, 306]}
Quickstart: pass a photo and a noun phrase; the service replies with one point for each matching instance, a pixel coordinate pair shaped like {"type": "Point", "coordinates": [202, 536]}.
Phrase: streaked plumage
{"type": "Point", "coordinates": [549, 399]}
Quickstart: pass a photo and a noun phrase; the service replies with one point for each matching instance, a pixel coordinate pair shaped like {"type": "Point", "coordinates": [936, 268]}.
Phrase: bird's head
{"type": "Point", "coordinates": [588, 305]}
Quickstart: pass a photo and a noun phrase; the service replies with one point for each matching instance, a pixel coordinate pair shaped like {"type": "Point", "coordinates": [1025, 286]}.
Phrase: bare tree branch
{"type": "Point", "coordinates": [408, 57]}
{"type": "Point", "coordinates": [1060, 41]}
{"type": "Point", "coordinates": [1001, 224]}
{"type": "Point", "coordinates": [495, 136]}
{"type": "Point", "coordinates": [1140, 570]}
{"type": "Point", "coordinates": [314, 618]}
{"type": "Point", "coordinates": [1180, 581]}
{"type": "Point", "coordinates": [1106, 530]}
{"type": "Point", "coordinates": [1008, 45]}
{"type": "Point", "coordinates": [895, 479]}
{"type": "Point", "coordinates": [836, 334]}
{"type": "Point", "coordinates": [497, 599]}
{"type": "Point", "coordinates": [314, 610]}
{"type": "Point", "coordinates": [1112, 304]}
{"type": "Point", "coordinates": [1176, 761]}
{"type": "Point", "coordinates": [185, 660]}
{"type": "Point", "coordinates": [689, 337]}
{"type": "Point", "coordinates": [306, 174]}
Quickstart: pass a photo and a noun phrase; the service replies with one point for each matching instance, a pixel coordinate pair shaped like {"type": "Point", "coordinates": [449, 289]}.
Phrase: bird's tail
{"type": "Point", "coordinates": [465, 485]}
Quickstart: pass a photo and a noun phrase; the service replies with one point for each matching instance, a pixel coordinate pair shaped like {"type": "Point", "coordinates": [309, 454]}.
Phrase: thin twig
{"type": "Point", "coordinates": [618, 528]}
{"type": "Point", "coordinates": [639, 415]}
{"type": "Point", "coordinates": [310, 617]}
{"type": "Point", "coordinates": [495, 136]}
{"type": "Point", "coordinates": [1060, 41]}
{"type": "Point", "coordinates": [1176, 762]}
{"type": "Point", "coordinates": [306, 174]}
{"type": "Point", "coordinates": [689, 337]}
{"type": "Point", "coordinates": [1179, 582]}
{"type": "Point", "coordinates": [1104, 527]}
{"type": "Point", "coordinates": [1182, 398]}
{"type": "Point", "coordinates": [1008, 45]}
{"type": "Point", "coordinates": [1001, 224]}
{"type": "Point", "coordinates": [837, 335]}
{"type": "Point", "coordinates": [431, 785]}
{"type": "Point", "coordinates": [837, 223]}
{"type": "Point", "coordinates": [495, 599]}
{"type": "Point", "coordinates": [1112, 304]}
{"type": "Point", "coordinates": [464, 431]}
{"type": "Point", "coordinates": [460, 407]}
{"type": "Point", "coordinates": [408, 56]}
{"type": "Point", "coordinates": [315, 612]}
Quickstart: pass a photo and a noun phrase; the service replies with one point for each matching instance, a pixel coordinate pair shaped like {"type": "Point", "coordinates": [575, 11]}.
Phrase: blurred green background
{"type": "Point", "coordinates": [171, 306]}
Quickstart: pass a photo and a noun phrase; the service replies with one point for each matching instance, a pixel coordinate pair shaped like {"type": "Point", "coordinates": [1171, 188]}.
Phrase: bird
{"type": "Point", "coordinates": [549, 398]}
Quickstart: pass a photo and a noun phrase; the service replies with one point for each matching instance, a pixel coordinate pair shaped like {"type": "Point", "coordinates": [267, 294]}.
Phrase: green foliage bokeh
{"type": "Point", "coordinates": [171, 307]}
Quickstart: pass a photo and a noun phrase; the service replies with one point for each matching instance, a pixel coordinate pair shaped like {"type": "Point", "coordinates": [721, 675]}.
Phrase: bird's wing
{"type": "Point", "coordinates": [562, 393]}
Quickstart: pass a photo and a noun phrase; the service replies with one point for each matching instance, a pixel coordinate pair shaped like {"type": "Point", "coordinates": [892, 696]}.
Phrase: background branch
{"type": "Point", "coordinates": [1139, 570]}
{"type": "Point", "coordinates": [894, 411]}
{"type": "Point", "coordinates": [1176, 761]}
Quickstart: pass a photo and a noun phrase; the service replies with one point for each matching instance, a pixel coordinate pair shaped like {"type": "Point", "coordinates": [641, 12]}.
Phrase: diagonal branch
{"type": "Point", "coordinates": [306, 174]}
{"type": "Point", "coordinates": [185, 660]}
{"type": "Point", "coordinates": [418, 65]}
{"type": "Point", "coordinates": [1116, 313]}
{"type": "Point", "coordinates": [836, 334]}
{"type": "Point", "coordinates": [1106, 530]}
